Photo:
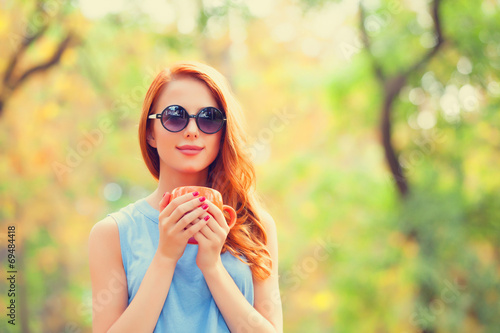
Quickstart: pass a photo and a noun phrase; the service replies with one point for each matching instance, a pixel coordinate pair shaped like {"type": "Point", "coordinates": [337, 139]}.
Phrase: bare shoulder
{"type": "Point", "coordinates": [104, 252]}
{"type": "Point", "coordinates": [268, 221]}
{"type": "Point", "coordinates": [104, 236]}
{"type": "Point", "coordinates": [106, 225]}
{"type": "Point", "coordinates": [272, 234]}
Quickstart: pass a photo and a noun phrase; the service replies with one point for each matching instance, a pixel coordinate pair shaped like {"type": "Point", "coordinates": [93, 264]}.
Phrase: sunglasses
{"type": "Point", "coordinates": [175, 118]}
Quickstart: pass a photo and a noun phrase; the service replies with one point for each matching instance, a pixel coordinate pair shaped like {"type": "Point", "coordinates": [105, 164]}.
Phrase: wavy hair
{"type": "Point", "coordinates": [231, 173]}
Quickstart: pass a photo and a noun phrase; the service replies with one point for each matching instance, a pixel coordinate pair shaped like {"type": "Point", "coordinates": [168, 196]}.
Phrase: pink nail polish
{"type": "Point", "coordinates": [206, 217]}
{"type": "Point", "coordinates": [205, 206]}
{"type": "Point", "coordinates": [195, 193]}
{"type": "Point", "coordinates": [202, 199]}
{"type": "Point", "coordinates": [164, 193]}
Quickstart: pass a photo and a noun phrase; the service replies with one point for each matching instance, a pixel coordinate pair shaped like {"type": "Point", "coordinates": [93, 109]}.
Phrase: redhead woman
{"type": "Point", "coordinates": [145, 275]}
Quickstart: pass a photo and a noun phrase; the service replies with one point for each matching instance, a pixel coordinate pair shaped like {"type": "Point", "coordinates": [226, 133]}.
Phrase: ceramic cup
{"type": "Point", "coordinates": [213, 195]}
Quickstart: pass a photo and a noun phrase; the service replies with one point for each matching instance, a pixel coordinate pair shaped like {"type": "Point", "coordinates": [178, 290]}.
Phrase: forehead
{"type": "Point", "coordinates": [188, 92]}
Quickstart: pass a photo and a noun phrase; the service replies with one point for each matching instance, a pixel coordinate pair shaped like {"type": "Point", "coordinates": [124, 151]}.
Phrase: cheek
{"type": "Point", "coordinates": [215, 145]}
{"type": "Point", "coordinates": [160, 131]}
{"type": "Point", "coordinates": [164, 138]}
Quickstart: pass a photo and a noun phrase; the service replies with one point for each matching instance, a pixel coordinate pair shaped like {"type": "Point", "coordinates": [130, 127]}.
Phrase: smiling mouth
{"type": "Point", "coordinates": [190, 150]}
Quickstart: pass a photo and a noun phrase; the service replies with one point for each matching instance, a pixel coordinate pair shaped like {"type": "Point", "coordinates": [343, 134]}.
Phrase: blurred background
{"type": "Point", "coordinates": [375, 132]}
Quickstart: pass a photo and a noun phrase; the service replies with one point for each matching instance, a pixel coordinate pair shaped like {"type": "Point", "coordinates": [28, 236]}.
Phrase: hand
{"type": "Point", "coordinates": [211, 238]}
{"type": "Point", "coordinates": [178, 221]}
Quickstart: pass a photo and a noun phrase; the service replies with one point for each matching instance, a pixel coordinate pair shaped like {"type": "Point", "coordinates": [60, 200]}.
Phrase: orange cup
{"type": "Point", "coordinates": [211, 194]}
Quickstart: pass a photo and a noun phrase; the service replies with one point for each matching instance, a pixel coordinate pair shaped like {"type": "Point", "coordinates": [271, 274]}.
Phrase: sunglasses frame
{"type": "Point", "coordinates": [189, 116]}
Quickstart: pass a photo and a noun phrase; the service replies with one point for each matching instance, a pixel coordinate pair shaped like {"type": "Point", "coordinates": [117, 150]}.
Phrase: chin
{"type": "Point", "coordinates": [191, 169]}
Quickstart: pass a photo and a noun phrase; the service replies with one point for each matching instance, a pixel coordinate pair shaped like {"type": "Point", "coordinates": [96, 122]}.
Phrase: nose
{"type": "Point", "coordinates": [191, 130]}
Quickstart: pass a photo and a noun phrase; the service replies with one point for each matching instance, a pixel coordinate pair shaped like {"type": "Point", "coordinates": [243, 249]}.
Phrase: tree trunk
{"type": "Point", "coordinates": [392, 90]}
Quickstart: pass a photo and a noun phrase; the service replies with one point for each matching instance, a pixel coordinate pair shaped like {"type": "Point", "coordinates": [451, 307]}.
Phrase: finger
{"type": "Point", "coordinates": [200, 237]}
{"type": "Point", "coordinates": [214, 232]}
{"type": "Point", "coordinates": [190, 218]}
{"type": "Point", "coordinates": [215, 228]}
{"type": "Point", "coordinates": [194, 230]}
{"type": "Point", "coordinates": [175, 203]}
{"type": "Point", "coordinates": [192, 223]}
{"type": "Point", "coordinates": [210, 236]}
{"type": "Point", "coordinates": [165, 200]}
{"type": "Point", "coordinates": [205, 216]}
{"type": "Point", "coordinates": [188, 207]}
{"type": "Point", "coordinates": [205, 231]}
{"type": "Point", "coordinates": [218, 215]}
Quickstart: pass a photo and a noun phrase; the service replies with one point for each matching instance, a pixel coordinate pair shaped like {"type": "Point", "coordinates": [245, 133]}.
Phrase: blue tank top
{"type": "Point", "coordinates": [189, 306]}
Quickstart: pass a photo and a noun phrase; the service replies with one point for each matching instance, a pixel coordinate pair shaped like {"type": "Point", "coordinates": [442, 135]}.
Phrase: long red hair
{"type": "Point", "coordinates": [231, 173]}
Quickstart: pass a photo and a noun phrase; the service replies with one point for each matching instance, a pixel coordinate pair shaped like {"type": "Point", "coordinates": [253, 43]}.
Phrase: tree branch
{"type": "Point", "coordinates": [10, 79]}
{"type": "Point", "coordinates": [438, 32]}
{"type": "Point", "coordinates": [18, 54]}
{"type": "Point", "coordinates": [56, 57]}
{"type": "Point", "coordinates": [366, 41]}
{"type": "Point", "coordinates": [391, 87]}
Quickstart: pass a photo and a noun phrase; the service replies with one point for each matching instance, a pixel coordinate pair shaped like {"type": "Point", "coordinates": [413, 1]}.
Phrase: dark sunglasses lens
{"type": "Point", "coordinates": [174, 118]}
{"type": "Point", "coordinates": [210, 120]}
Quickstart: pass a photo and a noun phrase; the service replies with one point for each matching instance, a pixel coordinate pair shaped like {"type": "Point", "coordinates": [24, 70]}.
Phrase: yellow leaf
{"type": "Point", "coordinates": [4, 22]}
{"type": "Point", "coordinates": [49, 111]}
{"type": "Point", "coordinates": [323, 300]}
{"type": "Point", "coordinates": [69, 57]}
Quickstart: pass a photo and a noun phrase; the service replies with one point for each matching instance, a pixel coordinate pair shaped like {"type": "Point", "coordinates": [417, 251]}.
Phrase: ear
{"type": "Point", "coordinates": [151, 139]}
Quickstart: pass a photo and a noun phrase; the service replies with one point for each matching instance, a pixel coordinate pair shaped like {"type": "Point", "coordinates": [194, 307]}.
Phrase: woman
{"type": "Point", "coordinates": [145, 276]}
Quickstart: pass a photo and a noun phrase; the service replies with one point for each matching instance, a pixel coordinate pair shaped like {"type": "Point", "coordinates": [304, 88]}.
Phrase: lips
{"type": "Point", "coordinates": [189, 149]}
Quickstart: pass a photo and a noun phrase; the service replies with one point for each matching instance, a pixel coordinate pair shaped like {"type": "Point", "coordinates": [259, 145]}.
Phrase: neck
{"type": "Point", "coordinates": [170, 179]}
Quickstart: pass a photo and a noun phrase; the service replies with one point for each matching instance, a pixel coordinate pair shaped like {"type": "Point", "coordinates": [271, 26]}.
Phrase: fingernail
{"type": "Point", "coordinates": [164, 193]}
{"type": "Point", "coordinates": [206, 217]}
{"type": "Point", "coordinates": [195, 193]}
{"type": "Point", "coordinates": [205, 206]}
{"type": "Point", "coordinates": [202, 199]}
